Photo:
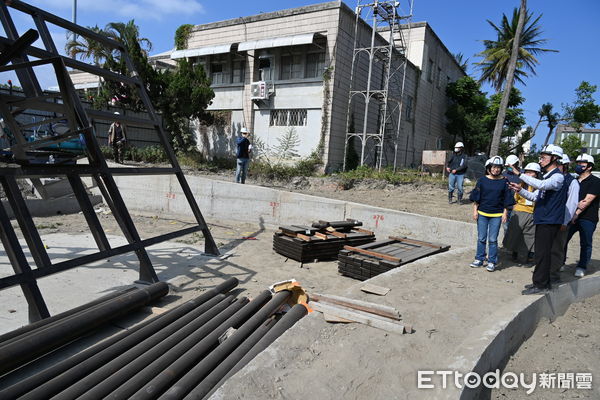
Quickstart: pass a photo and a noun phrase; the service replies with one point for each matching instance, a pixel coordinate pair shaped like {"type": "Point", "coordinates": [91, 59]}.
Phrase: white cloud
{"type": "Point", "coordinates": [131, 9]}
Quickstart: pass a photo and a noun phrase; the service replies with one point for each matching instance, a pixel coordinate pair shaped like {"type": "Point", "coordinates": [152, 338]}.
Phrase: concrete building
{"type": "Point", "coordinates": [290, 70]}
{"type": "Point", "coordinates": [591, 137]}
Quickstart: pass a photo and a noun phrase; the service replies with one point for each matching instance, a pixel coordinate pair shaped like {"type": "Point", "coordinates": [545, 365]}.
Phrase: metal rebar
{"type": "Point", "coordinates": [157, 377]}
{"type": "Point", "coordinates": [30, 347]}
{"type": "Point", "coordinates": [130, 360]}
{"type": "Point", "coordinates": [82, 363]}
{"type": "Point", "coordinates": [212, 360]}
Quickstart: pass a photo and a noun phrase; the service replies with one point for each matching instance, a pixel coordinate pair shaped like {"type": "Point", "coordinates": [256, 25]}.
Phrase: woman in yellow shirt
{"type": "Point", "coordinates": [520, 236]}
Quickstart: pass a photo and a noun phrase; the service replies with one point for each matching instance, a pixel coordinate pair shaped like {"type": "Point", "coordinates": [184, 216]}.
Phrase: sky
{"type": "Point", "coordinates": [571, 27]}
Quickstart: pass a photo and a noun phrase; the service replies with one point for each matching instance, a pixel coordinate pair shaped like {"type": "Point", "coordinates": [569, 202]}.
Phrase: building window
{"type": "Point", "coordinates": [218, 70]}
{"type": "Point", "coordinates": [440, 77]}
{"type": "Point", "coordinates": [408, 108]}
{"type": "Point", "coordinates": [291, 67]}
{"type": "Point", "coordinates": [237, 71]}
{"type": "Point", "coordinates": [291, 117]}
{"type": "Point", "coordinates": [315, 65]}
{"type": "Point", "coordinates": [265, 68]}
{"type": "Point", "coordinates": [430, 70]}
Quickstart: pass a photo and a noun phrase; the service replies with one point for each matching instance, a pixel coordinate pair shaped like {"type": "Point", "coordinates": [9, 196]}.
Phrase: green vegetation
{"type": "Point", "coordinates": [572, 146]}
{"type": "Point", "coordinates": [181, 36]}
{"type": "Point", "coordinates": [388, 175]}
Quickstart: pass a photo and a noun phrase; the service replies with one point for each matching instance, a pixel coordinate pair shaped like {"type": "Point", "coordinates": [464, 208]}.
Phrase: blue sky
{"type": "Point", "coordinates": [570, 27]}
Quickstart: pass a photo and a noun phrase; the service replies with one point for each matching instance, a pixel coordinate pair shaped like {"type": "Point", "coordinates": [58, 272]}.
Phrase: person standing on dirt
{"type": "Point", "coordinates": [117, 138]}
{"type": "Point", "coordinates": [244, 148]}
{"type": "Point", "coordinates": [586, 215]}
{"type": "Point", "coordinates": [520, 235]}
{"type": "Point", "coordinates": [559, 247]}
{"type": "Point", "coordinates": [456, 168]}
{"type": "Point", "coordinates": [510, 177]}
{"type": "Point", "coordinates": [491, 199]}
{"type": "Point", "coordinates": [549, 213]}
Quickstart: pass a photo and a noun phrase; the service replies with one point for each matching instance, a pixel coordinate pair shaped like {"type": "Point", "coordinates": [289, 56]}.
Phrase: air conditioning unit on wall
{"type": "Point", "coordinates": [259, 90]}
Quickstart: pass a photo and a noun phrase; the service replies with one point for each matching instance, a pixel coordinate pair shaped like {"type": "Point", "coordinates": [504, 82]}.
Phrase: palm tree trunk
{"type": "Point", "coordinates": [548, 136]}
{"type": "Point", "coordinates": [510, 75]}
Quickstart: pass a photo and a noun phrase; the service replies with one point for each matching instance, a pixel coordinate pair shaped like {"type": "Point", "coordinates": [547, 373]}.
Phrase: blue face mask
{"type": "Point", "coordinates": [579, 169]}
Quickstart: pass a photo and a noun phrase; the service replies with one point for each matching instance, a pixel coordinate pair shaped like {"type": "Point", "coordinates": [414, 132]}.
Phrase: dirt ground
{"type": "Point", "coordinates": [572, 350]}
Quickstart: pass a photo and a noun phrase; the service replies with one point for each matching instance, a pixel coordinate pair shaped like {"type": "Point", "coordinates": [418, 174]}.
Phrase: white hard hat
{"type": "Point", "coordinates": [553, 150]}
{"type": "Point", "coordinates": [565, 159]}
{"type": "Point", "coordinates": [488, 162]}
{"type": "Point", "coordinates": [511, 160]}
{"type": "Point", "coordinates": [533, 166]}
{"type": "Point", "coordinates": [459, 144]}
{"type": "Point", "coordinates": [496, 160]}
{"type": "Point", "coordinates": [585, 158]}
{"type": "Point", "coordinates": [244, 130]}
{"type": "Point", "coordinates": [117, 113]}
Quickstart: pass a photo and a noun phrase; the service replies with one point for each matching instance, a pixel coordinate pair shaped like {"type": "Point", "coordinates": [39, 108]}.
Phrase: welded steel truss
{"type": "Point", "coordinates": [20, 158]}
{"type": "Point", "coordinates": [379, 92]}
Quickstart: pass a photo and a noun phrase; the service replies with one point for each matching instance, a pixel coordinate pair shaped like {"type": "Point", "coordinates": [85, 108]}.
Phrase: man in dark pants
{"type": "Point", "coordinates": [586, 215]}
{"type": "Point", "coordinates": [243, 156]}
{"type": "Point", "coordinates": [456, 167]}
{"type": "Point", "coordinates": [549, 213]}
{"type": "Point", "coordinates": [117, 137]}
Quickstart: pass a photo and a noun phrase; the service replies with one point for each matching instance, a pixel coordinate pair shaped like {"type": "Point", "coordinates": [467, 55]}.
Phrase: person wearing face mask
{"type": "Point", "coordinates": [520, 236]}
{"type": "Point", "coordinates": [491, 199]}
{"type": "Point", "coordinates": [550, 198]}
{"type": "Point", "coordinates": [559, 247]}
{"type": "Point", "coordinates": [456, 168]}
{"type": "Point", "coordinates": [586, 215]}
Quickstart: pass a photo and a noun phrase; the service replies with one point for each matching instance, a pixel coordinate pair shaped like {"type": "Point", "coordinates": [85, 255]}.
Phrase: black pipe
{"type": "Point", "coordinates": [30, 347]}
{"type": "Point", "coordinates": [147, 350]}
{"type": "Point", "coordinates": [224, 367]}
{"type": "Point", "coordinates": [83, 361]}
{"type": "Point", "coordinates": [13, 335]}
{"type": "Point", "coordinates": [208, 363]}
{"type": "Point", "coordinates": [151, 383]}
{"type": "Point", "coordinates": [295, 314]}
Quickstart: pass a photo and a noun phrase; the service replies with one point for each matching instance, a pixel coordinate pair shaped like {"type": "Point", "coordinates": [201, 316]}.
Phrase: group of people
{"type": "Point", "coordinates": [541, 206]}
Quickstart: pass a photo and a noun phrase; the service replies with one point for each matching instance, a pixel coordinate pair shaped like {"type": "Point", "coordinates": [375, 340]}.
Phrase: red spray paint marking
{"type": "Point", "coordinates": [377, 218]}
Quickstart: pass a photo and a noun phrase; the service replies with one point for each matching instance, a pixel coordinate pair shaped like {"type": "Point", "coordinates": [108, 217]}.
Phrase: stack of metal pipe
{"type": "Point", "coordinates": [186, 352]}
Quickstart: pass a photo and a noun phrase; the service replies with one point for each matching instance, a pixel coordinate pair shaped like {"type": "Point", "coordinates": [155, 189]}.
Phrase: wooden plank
{"type": "Point", "coordinates": [374, 289]}
{"type": "Point", "coordinates": [372, 253]}
{"type": "Point", "coordinates": [321, 235]}
{"type": "Point", "coordinates": [375, 321]}
{"type": "Point", "coordinates": [371, 308]}
{"type": "Point", "coordinates": [418, 242]}
{"type": "Point", "coordinates": [363, 231]}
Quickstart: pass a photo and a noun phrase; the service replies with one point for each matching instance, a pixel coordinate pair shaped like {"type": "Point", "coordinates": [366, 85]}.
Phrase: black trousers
{"type": "Point", "coordinates": [544, 238]}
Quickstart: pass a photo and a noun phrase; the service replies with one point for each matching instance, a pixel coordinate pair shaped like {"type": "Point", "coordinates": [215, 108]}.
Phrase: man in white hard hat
{"type": "Point", "coordinates": [511, 160]}
{"type": "Point", "coordinates": [559, 247]}
{"type": "Point", "coordinates": [549, 213]}
{"type": "Point", "coordinates": [456, 168]}
{"type": "Point", "coordinates": [243, 156]}
{"type": "Point", "coordinates": [117, 138]}
{"type": "Point", "coordinates": [586, 215]}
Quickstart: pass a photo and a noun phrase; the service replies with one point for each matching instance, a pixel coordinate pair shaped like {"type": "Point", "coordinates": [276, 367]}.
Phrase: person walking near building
{"type": "Point", "coordinates": [456, 168]}
{"type": "Point", "coordinates": [520, 235]}
{"type": "Point", "coordinates": [491, 199]}
{"type": "Point", "coordinates": [549, 213]}
{"type": "Point", "coordinates": [586, 215]}
{"type": "Point", "coordinates": [244, 148]}
{"type": "Point", "coordinates": [117, 138]}
{"type": "Point", "coordinates": [559, 247]}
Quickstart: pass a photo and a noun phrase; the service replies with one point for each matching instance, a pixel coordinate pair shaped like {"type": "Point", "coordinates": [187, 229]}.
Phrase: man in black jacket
{"type": "Point", "coordinates": [456, 168]}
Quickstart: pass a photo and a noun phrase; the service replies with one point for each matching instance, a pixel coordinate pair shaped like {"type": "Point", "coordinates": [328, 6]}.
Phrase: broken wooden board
{"type": "Point", "coordinates": [365, 306]}
{"type": "Point", "coordinates": [374, 289]}
{"type": "Point", "coordinates": [376, 321]}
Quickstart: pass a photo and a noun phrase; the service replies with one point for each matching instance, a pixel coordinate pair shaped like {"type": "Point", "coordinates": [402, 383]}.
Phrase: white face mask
{"type": "Point", "coordinates": [457, 149]}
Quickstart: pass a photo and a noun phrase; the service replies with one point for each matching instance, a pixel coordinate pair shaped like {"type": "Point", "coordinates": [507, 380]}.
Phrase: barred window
{"type": "Point", "coordinates": [292, 117]}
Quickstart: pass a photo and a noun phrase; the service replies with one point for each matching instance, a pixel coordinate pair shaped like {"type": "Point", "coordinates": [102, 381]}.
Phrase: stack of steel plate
{"type": "Point", "coordinates": [321, 241]}
{"type": "Point", "coordinates": [369, 260]}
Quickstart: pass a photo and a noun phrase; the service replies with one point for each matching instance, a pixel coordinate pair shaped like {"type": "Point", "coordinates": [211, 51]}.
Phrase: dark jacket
{"type": "Point", "coordinates": [242, 147]}
{"type": "Point", "coordinates": [458, 162]}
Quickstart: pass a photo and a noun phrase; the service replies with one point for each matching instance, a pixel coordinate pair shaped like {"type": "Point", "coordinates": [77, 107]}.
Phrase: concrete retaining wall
{"type": "Point", "coordinates": [255, 204]}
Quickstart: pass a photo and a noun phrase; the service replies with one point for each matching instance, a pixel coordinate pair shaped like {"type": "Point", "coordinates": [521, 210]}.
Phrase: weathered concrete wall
{"type": "Point", "coordinates": [247, 203]}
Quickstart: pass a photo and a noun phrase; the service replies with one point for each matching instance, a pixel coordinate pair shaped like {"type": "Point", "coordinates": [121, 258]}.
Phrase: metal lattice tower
{"type": "Point", "coordinates": [376, 99]}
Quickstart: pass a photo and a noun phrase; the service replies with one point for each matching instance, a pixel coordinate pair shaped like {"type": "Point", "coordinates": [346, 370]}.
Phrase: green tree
{"type": "Point", "coordinates": [584, 111]}
{"type": "Point", "coordinates": [573, 146]}
{"type": "Point", "coordinates": [466, 114]}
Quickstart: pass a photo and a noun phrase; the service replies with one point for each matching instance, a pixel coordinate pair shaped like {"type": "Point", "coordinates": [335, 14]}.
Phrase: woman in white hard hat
{"type": "Point", "coordinates": [520, 235]}
{"type": "Point", "coordinates": [456, 168]}
{"type": "Point", "coordinates": [491, 199]}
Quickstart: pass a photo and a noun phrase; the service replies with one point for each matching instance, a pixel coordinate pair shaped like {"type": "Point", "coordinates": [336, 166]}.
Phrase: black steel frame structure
{"type": "Point", "coordinates": [15, 56]}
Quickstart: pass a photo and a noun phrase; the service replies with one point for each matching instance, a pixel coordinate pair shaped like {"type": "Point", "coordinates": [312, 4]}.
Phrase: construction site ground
{"type": "Point", "coordinates": [447, 303]}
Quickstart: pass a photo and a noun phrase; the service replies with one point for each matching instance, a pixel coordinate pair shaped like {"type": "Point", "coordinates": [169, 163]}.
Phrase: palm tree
{"type": "Point", "coordinates": [462, 61]}
{"type": "Point", "coordinates": [86, 48]}
{"type": "Point", "coordinates": [496, 56]}
{"type": "Point", "coordinates": [128, 34]}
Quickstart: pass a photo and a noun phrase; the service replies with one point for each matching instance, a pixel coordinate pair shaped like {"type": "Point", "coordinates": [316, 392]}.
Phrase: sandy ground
{"type": "Point", "coordinates": [257, 266]}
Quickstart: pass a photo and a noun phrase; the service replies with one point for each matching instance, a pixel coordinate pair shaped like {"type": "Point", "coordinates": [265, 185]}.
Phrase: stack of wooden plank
{"type": "Point", "coordinates": [322, 241]}
{"type": "Point", "coordinates": [369, 260]}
